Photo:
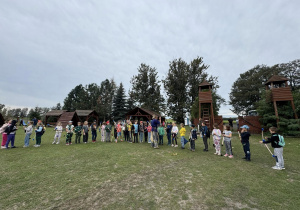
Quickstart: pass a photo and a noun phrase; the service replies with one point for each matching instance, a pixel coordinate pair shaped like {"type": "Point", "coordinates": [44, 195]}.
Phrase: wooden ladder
{"type": "Point", "coordinates": [206, 116]}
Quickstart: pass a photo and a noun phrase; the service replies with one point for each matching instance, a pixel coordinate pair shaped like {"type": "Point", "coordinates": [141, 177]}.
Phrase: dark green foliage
{"type": "Point", "coordinates": [182, 83]}
{"type": "Point", "coordinates": [176, 84]}
{"type": "Point", "coordinates": [105, 99]}
{"type": "Point", "coordinates": [288, 125]}
{"type": "Point", "coordinates": [119, 104]}
{"type": "Point", "coordinates": [76, 99]}
{"type": "Point", "coordinates": [35, 113]}
{"type": "Point", "coordinates": [246, 90]}
{"type": "Point", "coordinates": [145, 90]}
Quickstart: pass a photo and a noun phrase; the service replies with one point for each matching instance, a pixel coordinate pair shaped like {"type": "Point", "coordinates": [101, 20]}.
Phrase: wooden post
{"type": "Point", "coordinates": [293, 107]}
{"type": "Point", "coordinates": [276, 113]}
{"type": "Point", "coordinates": [212, 116]}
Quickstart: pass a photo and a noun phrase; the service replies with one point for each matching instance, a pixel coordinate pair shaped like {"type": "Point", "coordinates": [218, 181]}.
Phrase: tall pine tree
{"type": "Point", "coordinates": [145, 89]}
{"type": "Point", "coordinates": [119, 104]}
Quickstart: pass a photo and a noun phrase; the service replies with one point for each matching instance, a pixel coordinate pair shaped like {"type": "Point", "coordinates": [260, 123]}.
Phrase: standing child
{"type": "Point", "coordinates": [103, 132]}
{"type": "Point", "coordinates": [182, 135]}
{"type": "Point", "coordinates": [85, 129]}
{"type": "Point", "coordinates": [278, 145]}
{"type": "Point", "coordinates": [244, 136]}
{"type": "Point", "coordinates": [108, 129]}
{"type": "Point", "coordinates": [69, 130]}
{"type": "Point", "coordinates": [216, 133]}
{"type": "Point", "coordinates": [205, 132]}
{"type": "Point", "coordinates": [136, 131]}
{"type": "Point", "coordinates": [161, 133]}
{"type": "Point", "coordinates": [11, 133]}
{"type": "Point", "coordinates": [149, 129]}
{"type": "Point", "coordinates": [94, 131]}
{"type": "Point", "coordinates": [119, 131]}
{"type": "Point", "coordinates": [169, 134]}
{"type": "Point", "coordinates": [39, 132]}
{"type": "Point", "coordinates": [141, 131]}
{"type": "Point", "coordinates": [58, 131]}
{"type": "Point", "coordinates": [174, 134]}
{"type": "Point", "coordinates": [115, 133]}
{"type": "Point", "coordinates": [28, 132]}
{"type": "Point", "coordinates": [77, 131]}
{"type": "Point", "coordinates": [4, 134]}
{"type": "Point", "coordinates": [227, 140]}
{"type": "Point", "coordinates": [194, 137]}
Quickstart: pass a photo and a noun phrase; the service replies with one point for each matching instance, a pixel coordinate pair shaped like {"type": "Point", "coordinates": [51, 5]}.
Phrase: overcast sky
{"type": "Point", "coordinates": [49, 47]}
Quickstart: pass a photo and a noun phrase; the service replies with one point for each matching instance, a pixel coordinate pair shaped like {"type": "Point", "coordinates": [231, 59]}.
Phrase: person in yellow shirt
{"type": "Point", "coordinates": [182, 132]}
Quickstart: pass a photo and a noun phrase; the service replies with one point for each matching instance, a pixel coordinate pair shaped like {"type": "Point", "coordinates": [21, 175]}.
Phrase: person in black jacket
{"type": "Point", "coordinates": [244, 136]}
{"type": "Point", "coordinates": [278, 150]}
{"type": "Point", "coordinates": [11, 133]}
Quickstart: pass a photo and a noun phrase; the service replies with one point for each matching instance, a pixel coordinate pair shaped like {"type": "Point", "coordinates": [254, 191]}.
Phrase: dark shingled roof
{"type": "Point", "coordinates": [205, 83]}
{"type": "Point", "coordinates": [84, 113]}
{"type": "Point", "coordinates": [133, 111]}
{"type": "Point", "coordinates": [55, 112]}
{"type": "Point", "coordinates": [277, 78]}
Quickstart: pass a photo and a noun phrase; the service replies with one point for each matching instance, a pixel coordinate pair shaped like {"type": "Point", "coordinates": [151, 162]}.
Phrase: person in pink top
{"type": "Point", "coordinates": [217, 135]}
{"type": "Point", "coordinates": [149, 129]}
{"type": "Point", "coordinates": [4, 134]}
{"type": "Point", "coordinates": [119, 131]}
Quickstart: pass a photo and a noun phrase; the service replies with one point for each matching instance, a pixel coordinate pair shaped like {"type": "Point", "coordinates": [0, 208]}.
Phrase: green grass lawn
{"type": "Point", "coordinates": [135, 176]}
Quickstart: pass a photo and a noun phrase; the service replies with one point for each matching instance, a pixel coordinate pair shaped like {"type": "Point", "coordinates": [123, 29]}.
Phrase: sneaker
{"type": "Point", "coordinates": [3, 147]}
{"type": "Point", "coordinates": [53, 142]}
{"type": "Point", "coordinates": [215, 153]}
{"type": "Point", "coordinates": [85, 142]}
{"type": "Point", "coordinates": [193, 150]}
{"type": "Point", "coordinates": [176, 146]}
{"type": "Point", "coordinates": [67, 144]}
{"type": "Point", "coordinates": [230, 156]}
{"type": "Point", "coordinates": [182, 148]}
{"type": "Point", "coordinates": [57, 143]}
{"type": "Point", "coordinates": [283, 168]}
{"type": "Point", "coordinates": [225, 155]}
{"type": "Point", "coordinates": [172, 145]}
{"type": "Point", "coordinates": [276, 167]}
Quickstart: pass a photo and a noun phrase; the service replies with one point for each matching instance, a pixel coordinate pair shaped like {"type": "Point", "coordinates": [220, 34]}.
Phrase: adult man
{"type": "Point", "coordinates": [154, 124]}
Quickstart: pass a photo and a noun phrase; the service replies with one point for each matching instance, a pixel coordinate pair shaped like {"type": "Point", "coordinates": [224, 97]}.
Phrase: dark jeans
{"type": "Point", "coordinates": [205, 142]}
{"type": "Point", "coordinates": [85, 137]}
{"type": "Point", "coordinates": [174, 138]}
{"type": "Point", "coordinates": [94, 135]}
{"type": "Point", "coordinates": [126, 135]}
{"type": "Point", "coordinates": [135, 135]}
{"type": "Point", "coordinates": [169, 138]}
{"type": "Point", "coordinates": [11, 137]}
{"type": "Point", "coordinates": [246, 147]}
{"type": "Point", "coordinates": [77, 139]}
{"type": "Point", "coordinates": [193, 144]}
{"type": "Point", "coordinates": [161, 139]}
{"type": "Point", "coordinates": [146, 136]}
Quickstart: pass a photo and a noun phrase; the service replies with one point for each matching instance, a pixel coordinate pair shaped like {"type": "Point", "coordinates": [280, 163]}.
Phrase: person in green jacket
{"type": "Point", "coordinates": [161, 133]}
{"type": "Point", "coordinates": [78, 130]}
{"type": "Point", "coordinates": [108, 128]}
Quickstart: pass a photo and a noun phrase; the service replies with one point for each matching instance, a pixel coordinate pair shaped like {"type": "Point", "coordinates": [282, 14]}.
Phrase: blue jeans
{"type": "Point", "coordinates": [149, 137]}
{"type": "Point", "coordinates": [182, 141]}
{"type": "Point", "coordinates": [26, 141]}
{"type": "Point", "coordinates": [141, 136]}
{"type": "Point", "coordinates": [169, 138]}
{"type": "Point", "coordinates": [10, 138]}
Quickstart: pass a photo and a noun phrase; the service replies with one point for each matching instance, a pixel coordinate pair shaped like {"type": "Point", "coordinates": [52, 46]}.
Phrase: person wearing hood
{"type": "Point", "coordinates": [11, 133]}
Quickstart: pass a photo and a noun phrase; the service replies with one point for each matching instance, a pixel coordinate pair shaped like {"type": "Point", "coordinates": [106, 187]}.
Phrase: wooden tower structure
{"type": "Point", "coordinates": [280, 91]}
{"type": "Point", "coordinates": [205, 97]}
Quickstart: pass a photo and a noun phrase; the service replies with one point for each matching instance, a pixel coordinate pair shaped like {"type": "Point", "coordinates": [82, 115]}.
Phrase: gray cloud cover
{"type": "Point", "coordinates": [49, 47]}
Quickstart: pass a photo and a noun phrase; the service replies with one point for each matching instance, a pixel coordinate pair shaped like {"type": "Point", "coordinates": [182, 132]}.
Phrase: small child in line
{"type": "Point", "coordinates": [193, 138]}
{"type": "Point", "coordinates": [278, 147]}
{"type": "Point", "coordinates": [28, 132]}
{"type": "Point", "coordinates": [182, 135]}
{"type": "Point", "coordinates": [115, 133]}
{"type": "Point", "coordinates": [69, 130]}
{"type": "Point", "coordinates": [119, 131]}
{"type": "Point", "coordinates": [103, 132]}
{"type": "Point", "coordinates": [174, 132]}
{"type": "Point", "coordinates": [58, 131]}
{"type": "Point", "coordinates": [39, 132]}
{"type": "Point", "coordinates": [161, 133]}
{"type": "Point", "coordinates": [227, 140]}
{"type": "Point", "coordinates": [136, 130]}
{"type": "Point", "coordinates": [94, 131]}
{"type": "Point", "coordinates": [244, 136]}
{"type": "Point", "coordinates": [85, 129]}
{"type": "Point", "coordinates": [149, 129]}
{"type": "Point", "coordinates": [11, 133]}
{"type": "Point", "coordinates": [4, 134]}
{"type": "Point", "coordinates": [216, 133]}
{"type": "Point", "coordinates": [77, 131]}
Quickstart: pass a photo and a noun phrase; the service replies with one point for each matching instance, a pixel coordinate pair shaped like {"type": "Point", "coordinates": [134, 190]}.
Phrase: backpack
{"type": "Point", "coordinates": [281, 141]}
{"type": "Point", "coordinates": [3, 128]}
{"type": "Point", "coordinates": [208, 133]}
